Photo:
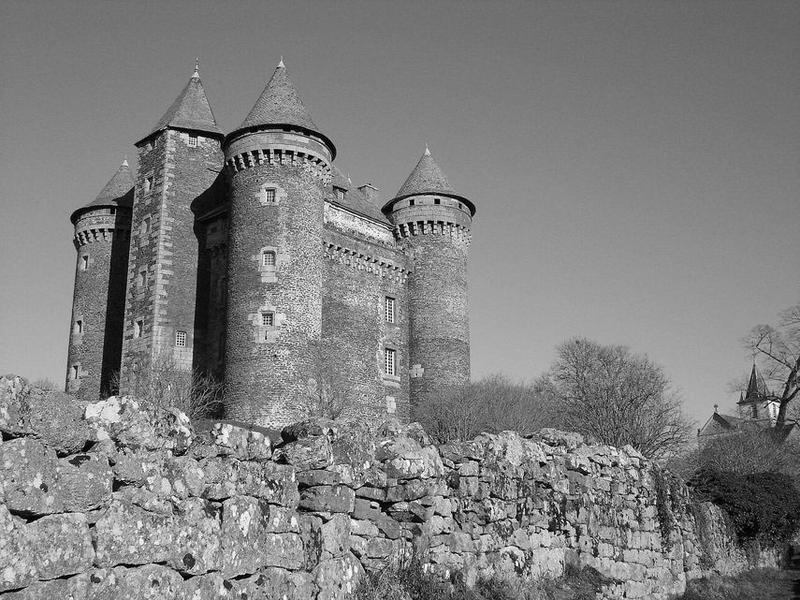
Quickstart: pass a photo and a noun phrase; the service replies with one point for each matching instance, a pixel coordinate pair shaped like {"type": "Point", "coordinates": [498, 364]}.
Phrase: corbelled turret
{"type": "Point", "coordinates": [432, 222]}
{"type": "Point", "coordinates": [279, 164]}
{"type": "Point", "coordinates": [102, 228]}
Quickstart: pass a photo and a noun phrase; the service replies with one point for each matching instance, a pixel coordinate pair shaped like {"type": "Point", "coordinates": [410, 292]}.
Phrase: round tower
{"type": "Point", "coordinates": [432, 222]}
{"type": "Point", "coordinates": [279, 164]}
{"type": "Point", "coordinates": [102, 234]}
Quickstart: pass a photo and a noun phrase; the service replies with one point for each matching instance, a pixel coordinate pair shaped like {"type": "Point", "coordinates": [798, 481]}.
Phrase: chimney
{"type": "Point", "coordinates": [370, 191]}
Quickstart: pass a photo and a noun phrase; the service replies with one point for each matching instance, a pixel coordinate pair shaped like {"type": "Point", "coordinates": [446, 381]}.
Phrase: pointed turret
{"type": "Point", "coordinates": [117, 192]}
{"type": "Point", "coordinates": [756, 388]}
{"type": "Point", "coordinates": [427, 178]}
{"type": "Point", "coordinates": [280, 105]}
{"type": "Point", "coordinates": [190, 111]}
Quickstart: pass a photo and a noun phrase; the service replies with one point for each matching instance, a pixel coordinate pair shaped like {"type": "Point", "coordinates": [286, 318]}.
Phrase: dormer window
{"type": "Point", "coordinates": [192, 140]}
{"type": "Point", "coordinates": [339, 193]}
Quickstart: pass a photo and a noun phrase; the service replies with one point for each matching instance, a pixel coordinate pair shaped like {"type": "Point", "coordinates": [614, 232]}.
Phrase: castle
{"type": "Point", "coordinates": [251, 257]}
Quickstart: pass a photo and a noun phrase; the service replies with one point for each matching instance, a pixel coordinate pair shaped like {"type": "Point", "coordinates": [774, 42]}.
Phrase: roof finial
{"type": "Point", "coordinates": [350, 181]}
{"type": "Point", "coordinates": [280, 64]}
{"type": "Point", "coordinates": [125, 161]}
{"type": "Point", "coordinates": [427, 150]}
{"type": "Point", "coordinates": [716, 407]}
{"type": "Point", "coordinates": [196, 67]}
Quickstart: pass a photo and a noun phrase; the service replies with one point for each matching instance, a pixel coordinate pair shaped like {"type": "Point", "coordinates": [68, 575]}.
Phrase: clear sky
{"type": "Point", "coordinates": [634, 164]}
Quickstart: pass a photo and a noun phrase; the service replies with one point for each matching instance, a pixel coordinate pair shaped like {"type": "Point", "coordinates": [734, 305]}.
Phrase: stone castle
{"type": "Point", "coordinates": [251, 257]}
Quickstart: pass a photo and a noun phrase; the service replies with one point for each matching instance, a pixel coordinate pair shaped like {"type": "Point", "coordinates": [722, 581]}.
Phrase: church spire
{"type": "Point", "coordinates": [190, 110]}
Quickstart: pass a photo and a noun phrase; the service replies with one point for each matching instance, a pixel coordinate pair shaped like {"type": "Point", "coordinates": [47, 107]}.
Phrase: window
{"type": "Point", "coordinates": [180, 339]}
{"type": "Point", "coordinates": [411, 202]}
{"type": "Point", "coordinates": [193, 140]}
{"type": "Point", "coordinates": [269, 195]}
{"type": "Point", "coordinates": [142, 280]}
{"type": "Point", "coordinates": [339, 193]}
{"type": "Point", "coordinates": [148, 146]}
{"type": "Point", "coordinates": [388, 309]}
{"type": "Point", "coordinates": [75, 369]}
{"type": "Point", "coordinates": [389, 361]}
{"type": "Point", "coordinates": [267, 319]}
{"type": "Point", "coordinates": [145, 225]}
{"type": "Point", "coordinates": [78, 326]}
{"type": "Point", "coordinates": [113, 211]}
{"type": "Point", "coordinates": [84, 262]}
{"type": "Point", "coordinates": [268, 258]}
{"type": "Point", "coordinates": [137, 330]}
{"type": "Point", "coordinates": [437, 201]}
{"type": "Point", "coordinates": [148, 184]}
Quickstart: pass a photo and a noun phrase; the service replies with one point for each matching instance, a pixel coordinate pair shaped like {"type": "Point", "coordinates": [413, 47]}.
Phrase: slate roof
{"type": "Point", "coordinates": [117, 192]}
{"type": "Point", "coordinates": [279, 103]}
{"type": "Point", "coordinates": [427, 177]}
{"type": "Point", "coordinates": [191, 110]}
{"type": "Point", "coordinates": [756, 388]}
{"type": "Point", "coordinates": [354, 199]}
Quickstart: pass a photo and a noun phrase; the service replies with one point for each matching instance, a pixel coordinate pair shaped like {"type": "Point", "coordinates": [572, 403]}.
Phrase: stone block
{"type": "Point", "coordinates": [328, 498]}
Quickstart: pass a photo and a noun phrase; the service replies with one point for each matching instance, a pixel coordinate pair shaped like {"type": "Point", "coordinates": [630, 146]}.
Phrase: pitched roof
{"type": "Point", "coordinates": [756, 387]}
{"type": "Point", "coordinates": [427, 177]}
{"type": "Point", "coordinates": [279, 103]}
{"type": "Point", "coordinates": [354, 199]}
{"type": "Point", "coordinates": [191, 110]}
{"type": "Point", "coordinates": [117, 192]}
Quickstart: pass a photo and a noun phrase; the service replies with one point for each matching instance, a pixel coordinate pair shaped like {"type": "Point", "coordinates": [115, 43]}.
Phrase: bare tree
{"type": "Point", "coordinates": [164, 383]}
{"type": "Point", "coordinates": [776, 349]}
{"type": "Point", "coordinates": [492, 404]}
{"type": "Point", "coordinates": [330, 393]}
{"type": "Point", "coordinates": [618, 398]}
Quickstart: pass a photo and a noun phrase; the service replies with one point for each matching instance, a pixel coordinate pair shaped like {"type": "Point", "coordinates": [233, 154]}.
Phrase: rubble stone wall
{"type": "Point", "coordinates": [106, 500]}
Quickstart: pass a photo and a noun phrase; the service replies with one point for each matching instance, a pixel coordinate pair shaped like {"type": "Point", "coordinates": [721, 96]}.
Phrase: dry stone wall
{"type": "Point", "coordinates": [107, 500]}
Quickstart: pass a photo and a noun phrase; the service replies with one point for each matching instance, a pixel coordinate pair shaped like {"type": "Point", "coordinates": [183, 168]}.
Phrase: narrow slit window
{"type": "Point", "coordinates": [148, 184]}
{"type": "Point", "coordinates": [79, 326]}
{"type": "Point", "coordinates": [193, 140]}
{"type": "Point", "coordinates": [143, 278]}
{"type": "Point", "coordinates": [145, 225]}
{"type": "Point", "coordinates": [137, 329]}
{"type": "Point", "coordinates": [180, 339]}
{"type": "Point", "coordinates": [267, 319]}
{"type": "Point", "coordinates": [268, 259]}
{"type": "Point", "coordinates": [389, 361]}
{"type": "Point", "coordinates": [84, 262]}
{"type": "Point", "coordinates": [411, 202]}
{"type": "Point", "coordinates": [75, 369]}
{"type": "Point", "coordinates": [388, 309]}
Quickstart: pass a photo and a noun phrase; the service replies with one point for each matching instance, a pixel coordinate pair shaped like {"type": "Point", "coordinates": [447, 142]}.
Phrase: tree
{"type": "Point", "coordinates": [618, 398]}
{"type": "Point", "coordinates": [330, 393]}
{"type": "Point", "coordinates": [776, 349]}
{"type": "Point", "coordinates": [493, 404]}
{"type": "Point", "coordinates": [163, 383]}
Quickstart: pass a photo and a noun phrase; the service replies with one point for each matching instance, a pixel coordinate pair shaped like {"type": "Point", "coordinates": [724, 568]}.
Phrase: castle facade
{"type": "Point", "coordinates": [251, 257]}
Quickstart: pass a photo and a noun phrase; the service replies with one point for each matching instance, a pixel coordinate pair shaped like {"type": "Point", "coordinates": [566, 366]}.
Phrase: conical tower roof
{"type": "Point", "coordinates": [191, 110]}
{"type": "Point", "coordinates": [280, 104]}
{"type": "Point", "coordinates": [427, 178]}
{"type": "Point", "coordinates": [117, 192]}
{"type": "Point", "coordinates": [756, 387]}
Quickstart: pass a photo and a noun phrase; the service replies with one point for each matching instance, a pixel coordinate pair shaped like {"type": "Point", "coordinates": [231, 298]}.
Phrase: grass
{"type": "Point", "coordinates": [760, 584]}
{"type": "Point", "coordinates": [411, 583]}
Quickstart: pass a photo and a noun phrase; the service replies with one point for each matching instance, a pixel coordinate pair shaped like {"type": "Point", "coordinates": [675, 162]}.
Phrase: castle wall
{"type": "Point", "coordinates": [173, 178]}
{"type": "Point", "coordinates": [162, 511]}
{"type": "Point", "coordinates": [98, 304]}
{"type": "Point", "coordinates": [274, 311]}
{"type": "Point", "coordinates": [359, 275]}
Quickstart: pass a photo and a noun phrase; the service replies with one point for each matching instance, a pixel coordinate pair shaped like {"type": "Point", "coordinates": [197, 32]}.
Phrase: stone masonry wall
{"type": "Point", "coordinates": [106, 500]}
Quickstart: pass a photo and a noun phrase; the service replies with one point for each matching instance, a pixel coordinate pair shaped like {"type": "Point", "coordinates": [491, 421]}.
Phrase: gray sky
{"type": "Point", "coordinates": [634, 164]}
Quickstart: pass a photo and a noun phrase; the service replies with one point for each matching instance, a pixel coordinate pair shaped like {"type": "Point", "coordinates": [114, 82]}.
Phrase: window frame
{"type": "Point", "coordinates": [78, 327]}
{"type": "Point", "coordinates": [181, 339]}
{"type": "Point", "coordinates": [389, 309]}
{"type": "Point", "coordinates": [193, 140]}
{"type": "Point", "coordinates": [84, 264]}
{"type": "Point", "coordinates": [267, 315]}
{"type": "Point", "coordinates": [270, 195]}
{"type": "Point", "coordinates": [390, 362]}
{"type": "Point", "coordinates": [272, 256]}
{"type": "Point", "coordinates": [138, 328]}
